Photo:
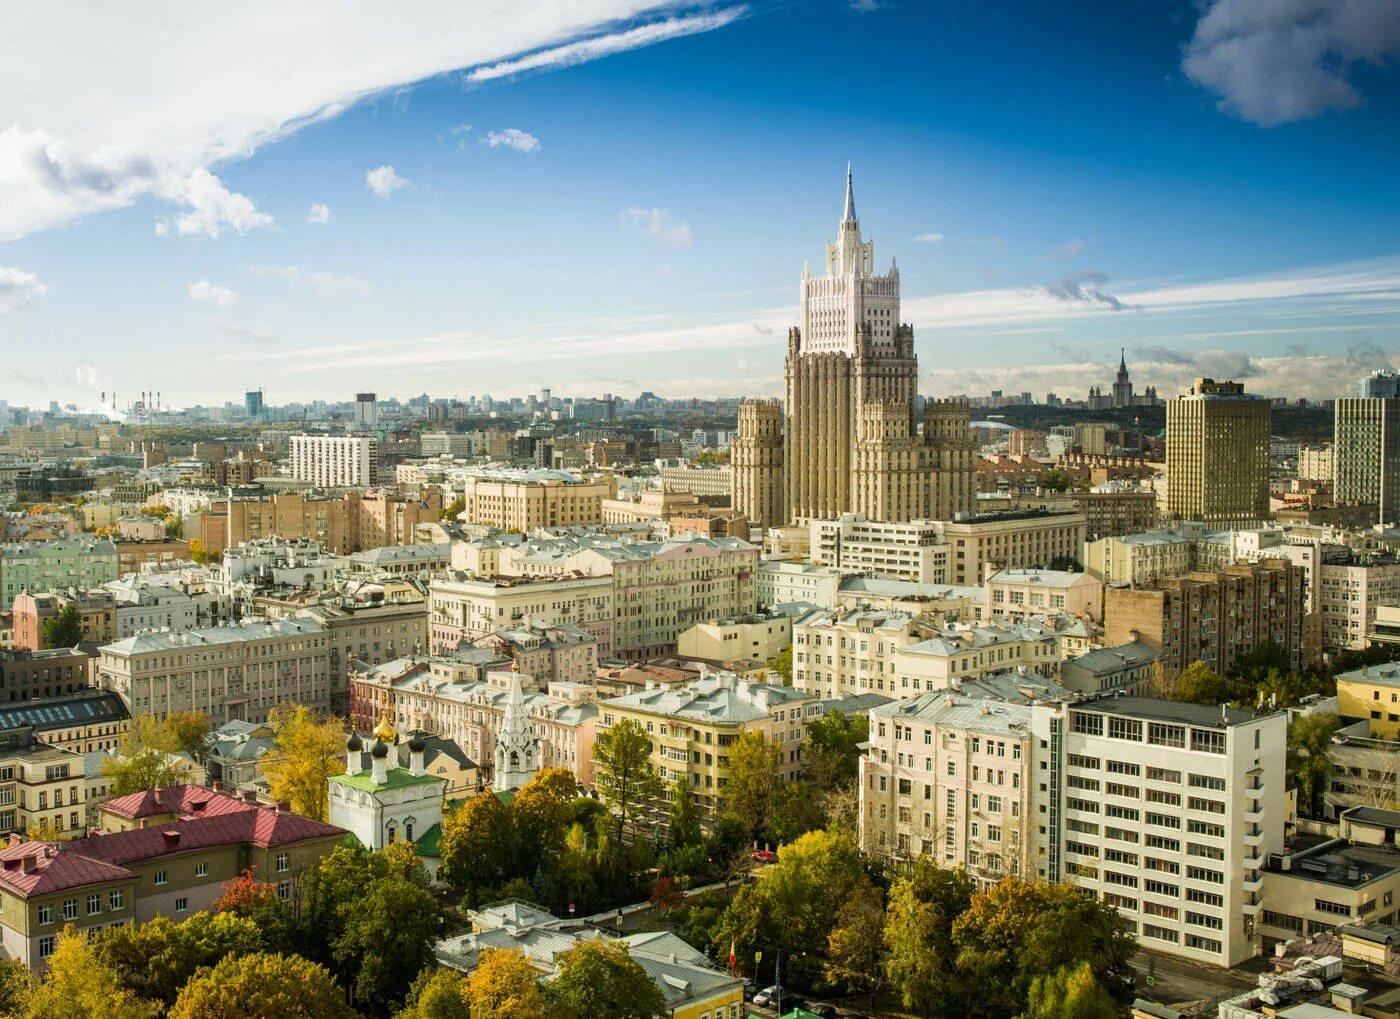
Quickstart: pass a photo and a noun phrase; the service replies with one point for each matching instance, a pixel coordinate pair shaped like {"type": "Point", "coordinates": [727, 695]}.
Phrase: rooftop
{"type": "Point", "coordinates": [1384, 674]}
{"type": "Point", "coordinates": [1155, 710]}
{"type": "Point", "coordinates": [238, 633]}
{"type": "Point", "coordinates": [1336, 862]}
{"type": "Point", "coordinates": [944, 707]}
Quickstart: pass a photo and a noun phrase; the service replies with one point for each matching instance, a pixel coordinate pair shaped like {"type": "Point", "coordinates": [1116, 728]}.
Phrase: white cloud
{"type": "Point", "coordinates": [384, 181]}
{"type": "Point", "coordinates": [928, 238]}
{"type": "Point", "coordinates": [286, 273]}
{"type": "Point", "coordinates": [512, 138]}
{"type": "Point", "coordinates": [1272, 62]}
{"type": "Point", "coordinates": [657, 224]}
{"type": "Point", "coordinates": [614, 42]}
{"type": "Point", "coordinates": [211, 294]}
{"type": "Point", "coordinates": [18, 288]}
{"type": "Point", "coordinates": [329, 284]}
{"type": "Point", "coordinates": [182, 97]}
{"type": "Point", "coordinates": [320, 215]}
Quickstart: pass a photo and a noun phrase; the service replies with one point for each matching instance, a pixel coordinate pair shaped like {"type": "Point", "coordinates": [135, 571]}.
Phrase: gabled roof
{"type": "Point", "coordinates": [52, 869]}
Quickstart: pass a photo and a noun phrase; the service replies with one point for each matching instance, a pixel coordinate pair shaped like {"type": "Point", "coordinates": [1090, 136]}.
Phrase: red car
{"type": "Point", "coordinates": [765, 856]}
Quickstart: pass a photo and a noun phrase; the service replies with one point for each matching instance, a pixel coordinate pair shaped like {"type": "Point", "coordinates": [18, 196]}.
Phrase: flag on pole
{"type": "Point", "coordinates": [733, 965]}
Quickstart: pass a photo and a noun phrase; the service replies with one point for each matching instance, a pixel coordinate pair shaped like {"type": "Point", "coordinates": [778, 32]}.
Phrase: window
{"type": "Point", "coordinates": [1163, 735]}
{"type": "Point", "coordinates": [1167, 799]}
{"type": "Point", "coordinates": [1210, 806]}
{"type": "Point", "coordinates": [201, 870]}
{"type": "Point", "coordinates": [1202, 944]}
{"type": "Point", "coordinates": [284, 890]}
{"type": "Point", "coordinates": [160, 877]}
{"type": "Point", "coordinates": [182, 905]}
{"type": "Point", "coordinates": [46, 914]}
{"type": "Point", "coordinates": [1204, 898]}
{"type": "Point", "coordinates": [114, 900]}
{"type": "Point", "coordinates": [1079, 761]}
{"type": "Point", "coordinates": [1160, 888]}
{"type": "Point", "coordinates": [1206, 828]}
{"type": "Point", "coordinates": [1121, 834]}
{"type": "Point", "coordinates": [1208, 741]}
{"type": "Point", "coordinates": [1125, 728]}
{"type": "Point", "coordinates": [94, 904]}
{"type": "Point", "coordinates": [1163, 775]}
{"type": "Point", "coordinates": [1207, 782]}
{"type": "Point", "coordinates": [1158, 933]}
{"type": "Point", "coordinates": [46, 946]}
{"type": "Point", "coordinates": [1202, 874]}
{"type": "Point", "coordinates": [1162, 842]}
{"type": "Point", "coordinates": [1327, 906]}
{"type": "Point", "coordinates": [1124, 768]}
{"type": "Point", "coordinates": [282, 865]}
{"type": "Point", "coordinates": [70, 909]}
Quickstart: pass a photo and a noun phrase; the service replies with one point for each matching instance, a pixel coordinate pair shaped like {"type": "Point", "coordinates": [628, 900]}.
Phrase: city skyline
{"type": "Point", "coordinates": [499, 204]}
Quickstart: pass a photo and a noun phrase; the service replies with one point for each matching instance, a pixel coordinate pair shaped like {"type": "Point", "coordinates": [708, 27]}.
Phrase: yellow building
{"type": "Point", "coordinates": [40, 786]}
{"type": "Point", "coordinates": [1218, 454]}
{"type": "Point", "coordinates": [1372, 693]}
{"type": "Point", "coordinates": [526, 500]}
{"type": "Point", "coordinates": [744, 638]}
{"type": "Point", "coordinates": [692, 728]}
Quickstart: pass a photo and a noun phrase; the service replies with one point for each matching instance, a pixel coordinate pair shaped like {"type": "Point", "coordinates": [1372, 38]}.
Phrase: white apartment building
{"type": "Point", "coordinates": [948, 776]}
{"type": "Point", "coordinates": [960, 651]}
{"type": "Point", "coordinates": [228, 672]}
{"type": "Point", "coordinates": [913, 550]}
{"type": "Point", "coordinates": [1139, 559]}
{"type": "Point", "coordinates": [335, 461]}
{"type": "Point", "coordinates": [1016, 595]}
{"type": "Point", "coordinates": [1166, 811]}
{"type": "Point", "coordinates": [697, 479]}
{"type": "Point", "coordinates": [781, 581]}
{"type": "Point", "coordinates": [453, 444]}
{"type": "Point", "coordinates": [982, 544]}
{"type": "Point", "coordinates": [461, 607]}
{"type": "Point", "coordinates": [1349, 588]}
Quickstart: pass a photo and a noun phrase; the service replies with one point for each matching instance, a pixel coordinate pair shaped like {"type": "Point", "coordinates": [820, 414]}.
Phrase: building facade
{"type": "Point", "coordinates": [334, 461]}
{"type": "Point", "coordinates": [1218, 454]}
{"type": "Point", "coordinates": [1366, 455]}
{"type": "Point", "coordinates": [82, 562]}
{"type": "Point", "coordinates": [851, 436]}
{"type": "Point", "coordinates": [907, 550]}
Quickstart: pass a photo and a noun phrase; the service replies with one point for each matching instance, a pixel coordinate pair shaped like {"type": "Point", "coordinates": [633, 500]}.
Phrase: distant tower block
{"type": "Point", "coordinates": [756, 456]}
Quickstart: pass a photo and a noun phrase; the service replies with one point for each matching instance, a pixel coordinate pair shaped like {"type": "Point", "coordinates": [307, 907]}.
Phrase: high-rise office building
{"type": "Point", "coordinates": [1218, 454]}
{"type": "Point", "coordinates": [1366, 447]}
{"type": "Point", "coordinates": [851, 433]}
{"type": "Point", "coordinates": [366, 410]}
{"type": "Point", "coordinates": [253, 403]}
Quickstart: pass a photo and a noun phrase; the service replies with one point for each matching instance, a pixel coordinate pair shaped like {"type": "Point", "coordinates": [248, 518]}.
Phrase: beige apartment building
{"type": "Point", "coordinates": [550, 652]}
{"type": "Point", "coordinates": [1016, 595]}
{"type": "Point", "coordinates": [1218, 454]}
{"type": "Point", "coordinates": [1139, 559]}
{"type": "Point", "coordinates": [956, 652]}
{"type": "Point", "coordinates": [840, 653]}
{"type": "Point", "coordinates": [652, 505]}
{"type": "Point", "coordinates": [753, 639]}
{"type": "Point", "coordinates": [682, 582]}
{"type": "Point", "coordinates": [369, 634]}
{"type": "Point", "coordinates": [949, 777]}
{"type": "Point", "coordinates": [463, 608]}
{"type": "Point", "coordinates": [41, 786]}
{"type": "Point", "coordinates": [985, 543]}
{"type": "Point", "coordinates": [442, 697]}
{"type": "Point", "coordinates": [229, 672]}
{"type": "Point", "coordinates": [692, 728]}
{"type": "Point", "coordinates": [1350, 587]}
{"type": "Point", "coordinates": [340, 524]}
{"type": "Point", "coordinates": [527, 500]}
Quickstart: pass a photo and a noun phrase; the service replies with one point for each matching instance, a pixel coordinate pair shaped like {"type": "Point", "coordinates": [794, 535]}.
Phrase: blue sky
{"type": "Point", "coordinates": [1213, 188]}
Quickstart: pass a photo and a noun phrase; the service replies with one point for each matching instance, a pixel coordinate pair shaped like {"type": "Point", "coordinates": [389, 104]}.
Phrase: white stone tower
{"type": "Point", "coordinates": [517, 749]}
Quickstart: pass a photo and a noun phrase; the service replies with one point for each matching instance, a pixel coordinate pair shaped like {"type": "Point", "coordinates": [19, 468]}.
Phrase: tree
{"type": "Point", "coordinates": [540, 813]}
{"type": "Point", "coordinates": [387, 940]}
{"type": "Point", "coordinates": [1309, 766]}
{"type": "Point", "coordinates": [752, 790]}
{"type": "Point", "coordinates": [781, 663]}
{"type": "Point", "coordinates": [147, 758]}
{"type": "Point", "coordinates": [16, 984]}
{"type": "Point", "coordinates": [199, 553]}
{"type": "Point", "coordinates": [1069, 993]}
{"type": "Point", "coordinates": [796, 811]}
{"type": "Point", "coordinates": [665, 896]}
{"type": "Point", "coordinates": [308, 752]}
{"type": "Point", "coordinates": [143, 768]}
{"type": "Point", "coordinates": [625, 775]}
{"type": "Point", "coordinates": [79, 983]}
{"type": "Point", "coordinates": [855, 946]}
{"type": "Point", "coordinates": [684, 822]}
{"type": "Point", "coordinates": [1055, 480]}
{"type": "Point", "coordinates": [65, 629]}
{"type": "Point", "coordinates": [437, 993]}
{"type": "Point", "coordinates": [259, 985]}
{"type": "Point", "coordinates": [831, 753]}
{"type": "Point", "coordinates": [505, 986]}
{"type": "Point", "coordinates": [476, 843]}
{"type": "Point", "coordinates": [1198, 685]}
{"type": "Point", "coordinates": [182, 732]}
{"type": "Point", "coordinates": [454, 509]}
{"type": "Point", "coordinates": [601, 978]}
{"type": "Point", "coordinates": [921, 959]}
{"type": "Point", "coordinates": [1019, 930]}
{"type": "Point", "coordinates": [155, 959]}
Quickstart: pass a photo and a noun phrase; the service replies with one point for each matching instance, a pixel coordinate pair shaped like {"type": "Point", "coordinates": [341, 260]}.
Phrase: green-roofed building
{"type": "Point", "coordinates": [389, 804]}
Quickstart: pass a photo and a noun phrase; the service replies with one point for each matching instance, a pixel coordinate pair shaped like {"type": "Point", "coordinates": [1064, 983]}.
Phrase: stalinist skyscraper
{"type": "Point", "coordinates": [850, 436]}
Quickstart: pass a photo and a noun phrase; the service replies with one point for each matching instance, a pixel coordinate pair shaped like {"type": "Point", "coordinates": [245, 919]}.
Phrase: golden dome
{"type": "Point", "coordinates": [384, 731]}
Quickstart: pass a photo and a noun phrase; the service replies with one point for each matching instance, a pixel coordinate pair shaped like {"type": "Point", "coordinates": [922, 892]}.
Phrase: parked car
{"type": "Point", "coordinates": [766, 996]}
{"type": "Point", "coordinates": [764, 856]}
{"type": "Point", "coordinates": [822, 1010]}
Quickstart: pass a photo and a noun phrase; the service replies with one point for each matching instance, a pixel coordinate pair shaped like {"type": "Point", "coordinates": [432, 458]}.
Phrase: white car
{"type": "Point", "coordinates": [765, 997]}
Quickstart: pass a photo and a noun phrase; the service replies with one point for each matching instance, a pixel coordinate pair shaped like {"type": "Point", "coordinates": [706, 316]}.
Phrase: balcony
{"type": "Point", "coordinates": [1249, 908]}
{"type": "Point", "coordinates": [1253, 862]}
{"type": "Point", "coordinates": [1254, 815]}
{"type": "Point", "coordinates": [1252, 885]}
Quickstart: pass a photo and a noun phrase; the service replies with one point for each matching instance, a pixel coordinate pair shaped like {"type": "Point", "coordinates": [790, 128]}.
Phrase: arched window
{"type": "Point", "coordinates": [514, 760]}
{"type": "Point", "coordinates": [393, 834]}
{"type": "Point", "coordinates": [408, 830]}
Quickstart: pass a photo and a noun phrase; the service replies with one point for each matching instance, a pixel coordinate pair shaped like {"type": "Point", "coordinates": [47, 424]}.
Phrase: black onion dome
{"type": "Point", "coordinates": [354, 744]}
{"type": "Point", "coordinates": [416, 745]}
{"type": "Point", "coordinates": [380, 749]}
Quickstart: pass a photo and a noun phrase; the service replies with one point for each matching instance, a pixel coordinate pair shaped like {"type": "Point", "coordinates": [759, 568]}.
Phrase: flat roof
{"type": "Point", "coordinates": [1168, 711]}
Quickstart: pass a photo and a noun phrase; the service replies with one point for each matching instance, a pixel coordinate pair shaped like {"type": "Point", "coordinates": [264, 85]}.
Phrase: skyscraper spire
{"type": "Point", "coordinates": [849, 216]}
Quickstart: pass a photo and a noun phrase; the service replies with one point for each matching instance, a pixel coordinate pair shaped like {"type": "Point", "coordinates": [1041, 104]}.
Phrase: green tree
{"type": "Point", "coordinates": [308, 752]}
{"type": "Point", "coordinates": [155, 959]}
{"type": "Point", "coordinates": [146, 759]}
{"type": "Point", "coordinates": [797, 809]}
{"type": "Point", "coordinates": [540, 814]}
{"type": "Point", "coordinates": [79, 983]}
{"type": "Point", "coordinates": [1019, 930]}
{"type": "Point", "coordinates": [1198, 685]}
{"type": "Point", "coordinates": [454, 509]}
{"type": "Point", "coordinates": [476, 843]}
{"type": "Point", "coordinates": [505, 986]}
{"type": "Point", "coordinates": [752, 790]}
{"type": "Point", "coordinates": [1069, 993]}
{"type": "Point", "coordinates": [1309, 766]}
{"type": "Point", "coordinates": [600, 978]}
{"type": "Point", "coordinates": [260, 985]}
{"type": "Point", "coordinates": [625, 775]}
{"type": "Point", "coordinates": [855, 946]}
{"type": "Point", "coordinates": [684, 817]}
{"type": "Point", "coordinates": [1055, 480]}
{"type": "Point", "coordinates": [831, 753]}
{"type": "Point", "coordinates": [387, 940]}
{"type": "Point", "coordinates": [921, 958]}
{"type": "Point", "coordinates": [65, 629]}
{"type": "Point", "coordinates": [781, 663]}
{"type": "Point", "coordinates": [437, 993]}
